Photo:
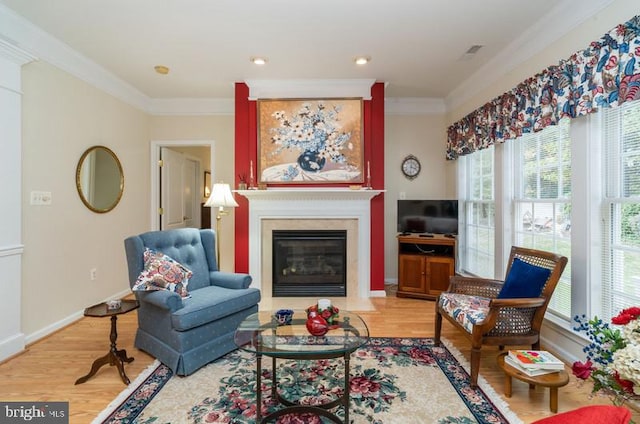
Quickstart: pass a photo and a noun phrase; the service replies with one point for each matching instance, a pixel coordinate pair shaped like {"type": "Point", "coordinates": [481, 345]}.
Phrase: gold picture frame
{"type": "Point", "coordinates": [302, 141]}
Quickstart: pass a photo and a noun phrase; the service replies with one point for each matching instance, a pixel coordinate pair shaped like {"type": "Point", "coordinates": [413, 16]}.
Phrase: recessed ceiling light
{"type": "Point", "coordinates": [162, 70]}
{"type": "Point", "coordinates": [362, 60]}
{"type": "Point", "coordinates": [258, 60]}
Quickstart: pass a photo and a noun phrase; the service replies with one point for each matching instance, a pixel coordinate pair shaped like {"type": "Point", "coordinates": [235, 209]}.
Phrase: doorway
{"type": "Point", "coordinates": [178, 186]}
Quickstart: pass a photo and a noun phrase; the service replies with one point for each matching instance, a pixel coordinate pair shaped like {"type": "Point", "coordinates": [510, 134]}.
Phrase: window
{"type": "Point", "coordinates": [621, 209]}
{"type": "Point", "coordinates": [542, 200]}
{"type": "Point", "coordinates": [479, 210]}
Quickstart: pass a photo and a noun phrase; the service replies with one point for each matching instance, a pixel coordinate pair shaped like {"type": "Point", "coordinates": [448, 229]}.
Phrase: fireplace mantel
{"type": "Point", "coordinates": [311, 203]}
{"type": "Point", "coordinates": [333, 193]}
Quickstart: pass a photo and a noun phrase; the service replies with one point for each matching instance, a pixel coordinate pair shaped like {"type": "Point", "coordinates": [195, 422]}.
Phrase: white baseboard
{"type": "Point", "coordinates": [52, 328]}
{"type": "Point", "coordinates": [11, 346]}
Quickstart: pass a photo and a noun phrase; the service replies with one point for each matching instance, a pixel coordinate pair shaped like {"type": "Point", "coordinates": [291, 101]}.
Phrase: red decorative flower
{"type": "Point", "coordinates": [626, 385]}
{"type": "Point", "coordinates": [582, 370]}
{"type": "Point", "coordinates": [626, 316]}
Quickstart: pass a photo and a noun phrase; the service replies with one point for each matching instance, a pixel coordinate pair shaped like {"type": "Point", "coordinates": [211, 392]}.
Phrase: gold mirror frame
{"type": "Point", "coordinates": [103, 172]}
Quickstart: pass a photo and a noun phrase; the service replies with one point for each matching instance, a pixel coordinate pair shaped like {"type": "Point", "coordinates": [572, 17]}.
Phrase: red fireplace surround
{"type": "Point", "coordinates": [246, 149]}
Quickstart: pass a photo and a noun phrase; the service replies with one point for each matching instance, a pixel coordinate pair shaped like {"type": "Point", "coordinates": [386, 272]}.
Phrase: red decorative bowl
{"type": "Point", "coordinates": [316, 325]}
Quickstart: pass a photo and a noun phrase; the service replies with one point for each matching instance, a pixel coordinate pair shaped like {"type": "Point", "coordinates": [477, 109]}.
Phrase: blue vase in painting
{"type": "Point", "coordinates": [310, 161]}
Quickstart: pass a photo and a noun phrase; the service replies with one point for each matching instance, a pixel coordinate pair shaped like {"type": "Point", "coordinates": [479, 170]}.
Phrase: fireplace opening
{"type": "Point", "coordinates": [309, 263]}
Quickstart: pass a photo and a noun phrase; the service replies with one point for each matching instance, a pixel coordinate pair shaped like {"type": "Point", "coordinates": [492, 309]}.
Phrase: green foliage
{"type": "Point", "coordinates": [630, 226]}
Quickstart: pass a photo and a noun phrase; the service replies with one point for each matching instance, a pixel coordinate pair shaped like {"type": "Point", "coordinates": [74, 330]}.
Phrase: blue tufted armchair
{"type": "Point", "coordinates": [187, 333]}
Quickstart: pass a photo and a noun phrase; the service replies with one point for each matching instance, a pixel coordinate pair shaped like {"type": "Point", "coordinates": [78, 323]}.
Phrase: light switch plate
{"type": "Point", "coordinates": [40, 198]}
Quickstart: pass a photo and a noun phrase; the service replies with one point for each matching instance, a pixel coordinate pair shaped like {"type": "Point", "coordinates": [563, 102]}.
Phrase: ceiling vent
{"type": "Point", "coordinates": [471, 52]}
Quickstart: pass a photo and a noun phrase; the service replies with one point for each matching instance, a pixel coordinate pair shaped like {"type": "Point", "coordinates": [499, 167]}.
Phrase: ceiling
{"type": "Point", "coordinates": [416, 46]}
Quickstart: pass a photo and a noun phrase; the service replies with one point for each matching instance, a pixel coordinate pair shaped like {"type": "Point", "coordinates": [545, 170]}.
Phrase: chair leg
{"type": "Point", "coordinates": [475, 366]}
{"type": "Point", "coordinates": [438, 328]}
{"type": "Point", "coordinates": [536, 345]}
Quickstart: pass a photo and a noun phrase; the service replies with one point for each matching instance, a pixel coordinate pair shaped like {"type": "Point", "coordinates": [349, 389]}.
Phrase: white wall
{"type": "Point", "coordinates": [12, 339]}
{"type": "Point", "coordinates": [424, 137]}
{"type": "Point", "coordinates": [62, 117]}
{"type": "Point", "coordinates": [220, 129]}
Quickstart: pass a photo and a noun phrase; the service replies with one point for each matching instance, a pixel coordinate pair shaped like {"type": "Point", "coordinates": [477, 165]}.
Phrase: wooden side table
{"type": "Point", "coordinates": [114, 357]}
{"type": "Point", "coordinates": [552, 381]}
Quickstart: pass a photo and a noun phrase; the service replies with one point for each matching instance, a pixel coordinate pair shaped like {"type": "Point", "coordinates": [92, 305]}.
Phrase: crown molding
{"type": "Point", "coordinates": [14, 53]}
{"type": "Point", "coordinates": [309, 88]}
{"type": "Point", "coordinates": [222, 106]}
{"type": "Point", "coordinates": [414, 106]}
{"type": "Point", "coordinates": [192, 106]}
{"type": "Point", "coordinates": [20, 40]}
{"type": "Point", "coordinates": [558, 22]}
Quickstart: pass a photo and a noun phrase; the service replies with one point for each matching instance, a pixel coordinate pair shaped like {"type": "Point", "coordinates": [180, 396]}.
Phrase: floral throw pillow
{"type": "Point", "coordinates": [162, 273]}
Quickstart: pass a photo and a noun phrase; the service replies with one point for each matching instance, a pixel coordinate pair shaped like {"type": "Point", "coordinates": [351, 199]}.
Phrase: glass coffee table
{"type": "Point", "coordinates": [261, 334]}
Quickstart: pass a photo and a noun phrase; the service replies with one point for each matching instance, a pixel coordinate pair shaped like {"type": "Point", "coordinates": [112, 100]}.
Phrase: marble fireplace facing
{"type": "Point", "coordinates": [311, 209]}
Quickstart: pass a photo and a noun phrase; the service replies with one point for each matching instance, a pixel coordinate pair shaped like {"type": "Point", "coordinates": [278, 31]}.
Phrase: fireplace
{"type": "Point", "coordinates": [311, 209]}
{"type": "Point", "coordinates": [309, 263]}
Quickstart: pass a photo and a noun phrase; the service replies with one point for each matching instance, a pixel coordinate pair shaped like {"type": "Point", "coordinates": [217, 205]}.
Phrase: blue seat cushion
{"type": "Point", "coordinates": [524, 280]}
{"type": "Point", "coordinates": [212, 303]}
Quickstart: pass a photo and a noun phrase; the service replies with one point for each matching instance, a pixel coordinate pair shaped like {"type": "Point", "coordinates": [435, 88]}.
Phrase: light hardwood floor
{"type": "Point", "coordinates": [47, 370]}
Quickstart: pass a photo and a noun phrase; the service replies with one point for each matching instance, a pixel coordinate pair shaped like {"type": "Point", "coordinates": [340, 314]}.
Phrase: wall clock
{"type": "Point", "coordinates": [410, 167]}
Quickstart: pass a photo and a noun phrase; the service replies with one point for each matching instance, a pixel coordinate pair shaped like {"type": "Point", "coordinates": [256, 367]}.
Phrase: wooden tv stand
{"type": "Point", "coordinates": [425, 264]}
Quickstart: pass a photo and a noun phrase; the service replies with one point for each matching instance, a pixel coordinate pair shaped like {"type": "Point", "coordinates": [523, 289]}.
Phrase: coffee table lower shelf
{"type": "Point", "coordinates": [291, 407]}
{"type": "Point", "coordinates": [553, 381]}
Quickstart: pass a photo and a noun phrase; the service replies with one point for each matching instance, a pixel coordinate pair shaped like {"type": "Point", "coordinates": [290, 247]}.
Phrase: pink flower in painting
{"type": "Point", "coordinates": [364, 386]}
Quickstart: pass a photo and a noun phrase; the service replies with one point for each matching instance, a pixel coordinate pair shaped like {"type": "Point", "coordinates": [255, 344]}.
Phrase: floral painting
{"type": "Point", "coordinates": [310, 141]}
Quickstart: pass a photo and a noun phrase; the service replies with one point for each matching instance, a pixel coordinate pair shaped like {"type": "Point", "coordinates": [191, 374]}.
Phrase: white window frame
{"type": "Point", "coordinates": [467, 201]}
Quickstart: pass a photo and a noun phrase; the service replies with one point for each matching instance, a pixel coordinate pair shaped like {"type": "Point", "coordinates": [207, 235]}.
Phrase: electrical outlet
{"type": "Point", "coordinates": [93, 274]}
{"type": "Point", "coordinates": [402, 195]}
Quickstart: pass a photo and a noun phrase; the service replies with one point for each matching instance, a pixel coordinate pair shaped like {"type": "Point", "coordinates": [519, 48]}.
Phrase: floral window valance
{"type": "Point", "coordinates": [606, 74]}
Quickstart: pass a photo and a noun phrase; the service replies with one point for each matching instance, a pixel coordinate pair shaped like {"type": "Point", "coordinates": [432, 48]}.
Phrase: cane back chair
{"type": "Point", "coordinates": [489, 312]}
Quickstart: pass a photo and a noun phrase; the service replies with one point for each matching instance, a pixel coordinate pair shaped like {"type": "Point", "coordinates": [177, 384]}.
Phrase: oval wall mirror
{"type": "Point", "coordinates": [99, 179]}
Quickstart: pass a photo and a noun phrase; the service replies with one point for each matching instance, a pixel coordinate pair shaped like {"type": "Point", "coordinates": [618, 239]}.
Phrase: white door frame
{"type": "Point", "coordinates": [155, 180]}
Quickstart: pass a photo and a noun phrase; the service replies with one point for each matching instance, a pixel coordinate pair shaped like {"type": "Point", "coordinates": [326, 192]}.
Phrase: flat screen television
{"type": "Point", "coordinates": [428, 216]}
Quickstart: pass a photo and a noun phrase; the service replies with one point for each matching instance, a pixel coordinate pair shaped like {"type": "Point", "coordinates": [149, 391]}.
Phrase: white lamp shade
{"type": "Point", "coordinates": [221, 197]}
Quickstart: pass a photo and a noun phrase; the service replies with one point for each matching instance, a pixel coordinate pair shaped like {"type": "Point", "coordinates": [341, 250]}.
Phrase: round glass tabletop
{"type": "Point", "coordinates": [262, 333]}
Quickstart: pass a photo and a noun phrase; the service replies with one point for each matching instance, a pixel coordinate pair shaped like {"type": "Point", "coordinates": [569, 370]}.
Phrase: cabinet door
{"type": "Point", "coordinates": [439, 269]}
{"type": "Point", "coordinates": [411, 274]}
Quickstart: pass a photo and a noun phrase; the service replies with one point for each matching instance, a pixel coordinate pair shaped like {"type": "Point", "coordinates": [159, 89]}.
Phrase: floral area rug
{"type": "Point", "coordinates": [392, 380]}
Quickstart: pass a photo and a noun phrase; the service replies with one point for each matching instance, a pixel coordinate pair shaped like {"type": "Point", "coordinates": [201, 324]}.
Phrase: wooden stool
{"type": "Point", "coordinates": [552, 381]}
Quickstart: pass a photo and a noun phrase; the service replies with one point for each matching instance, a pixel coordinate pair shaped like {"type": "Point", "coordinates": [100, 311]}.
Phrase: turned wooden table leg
{"type": "Point", "coordinates": [507, 385]}
{"type": "Point", "coordinates": [553, 399]}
